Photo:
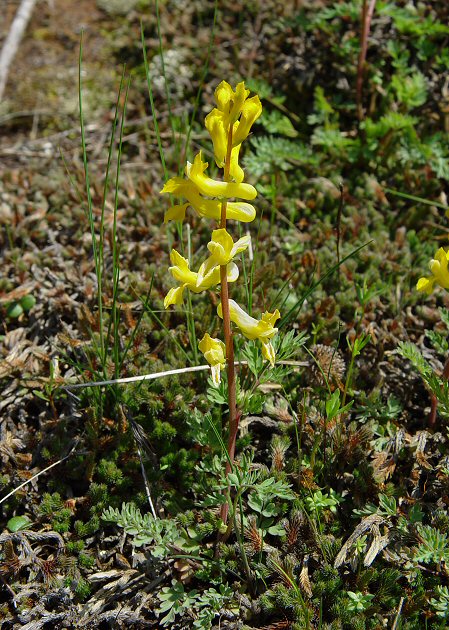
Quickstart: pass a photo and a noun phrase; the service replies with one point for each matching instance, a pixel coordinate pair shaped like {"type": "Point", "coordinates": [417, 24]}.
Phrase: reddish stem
{"type": "Point", "coordinates": [229, 343]}
{"type": "Point", "coordinates": [367, 14]}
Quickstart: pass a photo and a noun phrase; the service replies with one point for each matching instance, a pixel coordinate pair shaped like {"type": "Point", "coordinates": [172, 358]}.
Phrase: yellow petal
{"type": "Point", "coordinates": [439, 268]}
{"type": "Point", "coordinates": [426, 285]}
{"type": "Point", "coordinates": [268, 352]}
{"type": "Point", "coordinates": [238, 101]}
{"type": "Point", "coordinates": [221, 244]}
{"type": "Point", "coordinates": [211, 208]}
{"type": "Point", "coordinates": [213, 349]}
{"type": "Point", "coordinates": [214, 123]}
{"type": "Point", "coordinates": [251, 111]}
{"type": "Point", "coordinates": [176, 213]}
{"type": "Point", "coordinates": [240, 211]}
{"type": "Point", "coordinates": [271, 318]}
{"type": "Point", "coordinates": [232, 272]}
{"type": "Point", "coordinates": [236, 171]}
{"type": "Point", "coordinates": [180, 269]}
{"type": "Point", "coordinates": [174, 296]}
{"type": "Point", "coordinates": [178, 260]}
{"type": "Point", "coordinates": [215, 373]}
{"type": "Point", "coordinates": [250, 327]}
{"type": "Point", "coordinates": [175, 185]}
{"type": "Point", "coordinates": [223, 96]}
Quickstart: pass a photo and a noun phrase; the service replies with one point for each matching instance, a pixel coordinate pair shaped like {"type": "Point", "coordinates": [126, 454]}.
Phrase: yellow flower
{"type": "Point", "coordinates": [214, 352]}
{"type": "Point", "coordinates": [222, 249]}
{"type": "Point", "coordinates": [179, 187]}
{"type": "Point", "coordinates": [440, 273]}
{"type": "Point", "coordinates": [189, 279]}
{"type": "Point", "coordinates": [230, 102]}
{"type": "Point", "coordinates": [251, 328]}
{"type": "Point", "coordinates": [213, 188]}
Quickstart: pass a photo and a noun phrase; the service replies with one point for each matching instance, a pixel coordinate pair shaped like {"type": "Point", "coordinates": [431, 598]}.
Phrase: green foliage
{"type": "Point", "coordinates": [435, 384]}
{"type": "Point", "coordinates": [17, 523]}
{"type": "Point", "coordinates": [320, 501]}
{"type": "Point", "coordinates": [262, 500]}
{"type": "Point", "coordinates": [387, 507]}
{"type": "Point", "coordinates": [175, 602]}
{"type": "Point", "coordinates": [359, 602]}
{"type": "Point", "coordinates": [109, 473]}
{"type": "Point", "coordinates": [433, 546]}
{"type": "Point", "coordinates": [275, 122]}
{"type": "Point", "coordinates": [411, 91]}
{"type": "Point", "coordinates": [82, 589]}
{"type": "Point", "coordinates": [17, 308]}
{"type": "Point", "coordinates": [52, 508]}
{"type": "Point", "coordinates": [441, 605]}
{"type": "Point", "coordinates": [333, 405]}
{"type": "Point", "coordinates": [144, 529]}
{"type": "Point", "coordinates": [311, 143]}
{"type": "Point", "coordinates": [270, 153]}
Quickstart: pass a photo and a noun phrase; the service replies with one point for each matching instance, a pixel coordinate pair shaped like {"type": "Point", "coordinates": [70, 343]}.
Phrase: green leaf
{"type": "Point", "coordinates": [28, 302]}
{"type": "Point", "coordinates": [14, 310]}
{"type": "Point", "coordinates": [388, 504]}
{"type": "Point", "coordinates": [17, 523]}
{"type": "Point", "coordinates": [333, 405]}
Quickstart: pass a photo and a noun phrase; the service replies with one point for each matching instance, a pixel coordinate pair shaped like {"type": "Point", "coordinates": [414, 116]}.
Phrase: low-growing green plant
{"type": "Point", "coordinates": [175, 602]}
{"type": "Point", "coordinates": [144, 529]}
{"type": "Point", "coordinates": [359, 602]}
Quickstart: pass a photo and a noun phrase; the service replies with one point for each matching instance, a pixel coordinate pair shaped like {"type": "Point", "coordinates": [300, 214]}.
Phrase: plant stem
{"type": "Point", "coordinates": [229, 343]}
{"type": "Point", "coordinates": [367, 14]}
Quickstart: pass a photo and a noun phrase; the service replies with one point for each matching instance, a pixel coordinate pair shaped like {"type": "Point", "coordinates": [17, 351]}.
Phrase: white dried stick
{"type": "Point", "coordinates": [13, 39]}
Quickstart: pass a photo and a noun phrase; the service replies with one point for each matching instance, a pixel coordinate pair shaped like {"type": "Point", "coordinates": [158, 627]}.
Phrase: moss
{"type": "Point", "coordinates": [109, 473]}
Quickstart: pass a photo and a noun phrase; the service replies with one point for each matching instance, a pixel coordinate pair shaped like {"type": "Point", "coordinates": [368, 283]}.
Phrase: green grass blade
{"type": "Point", "coordinates": [427, 202]}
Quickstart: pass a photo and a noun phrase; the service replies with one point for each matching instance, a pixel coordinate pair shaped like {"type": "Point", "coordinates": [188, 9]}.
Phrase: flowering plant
{"type": "Point", "coordinates": [228, 124]}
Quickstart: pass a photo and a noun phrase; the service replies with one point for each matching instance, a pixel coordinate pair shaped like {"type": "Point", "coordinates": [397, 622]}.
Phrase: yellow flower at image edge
{"type": "Point", "coordinates": [440, 273]}
{"type": "Point", "coordinates": [214, 352]}
{"type": "Point", "coordinates": [251, 328]}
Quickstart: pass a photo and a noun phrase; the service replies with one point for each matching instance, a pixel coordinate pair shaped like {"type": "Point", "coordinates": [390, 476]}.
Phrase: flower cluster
{"type": "Point", "coordinates": [228, 124]}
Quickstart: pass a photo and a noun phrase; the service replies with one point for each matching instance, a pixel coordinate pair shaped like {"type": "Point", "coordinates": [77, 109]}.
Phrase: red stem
{"type": "Point", "coordinates": [229, 343]}
{"type": "Point", "coordinates": [367, 14]}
